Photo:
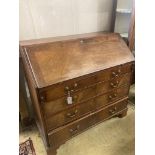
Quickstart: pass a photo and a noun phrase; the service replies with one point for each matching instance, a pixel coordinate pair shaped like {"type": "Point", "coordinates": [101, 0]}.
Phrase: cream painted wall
{"type": "Point", "coordinates": [49, 18]}
{"type": "Point", "coordinates": [123, 20]}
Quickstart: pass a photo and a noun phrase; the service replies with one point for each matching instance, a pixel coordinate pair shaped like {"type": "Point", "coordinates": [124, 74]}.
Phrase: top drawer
{"type": "Point", "coordinates": [61, 89]}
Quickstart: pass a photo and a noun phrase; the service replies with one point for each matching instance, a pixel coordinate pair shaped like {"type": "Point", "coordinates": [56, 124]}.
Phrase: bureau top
{"type": "Point", "coordinates": [60, 59]}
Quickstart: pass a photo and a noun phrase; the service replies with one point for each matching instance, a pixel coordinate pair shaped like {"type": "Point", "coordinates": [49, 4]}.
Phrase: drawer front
{"type": "Point", "coordinates": [114, 72]}
{"type": "Point", "coordinates": [79, 110]}
{"type": "Point", "coordinates": [60, 104]}
{"type": "Point", "coordinates": [110, 97]}
{"type": "Point", "coordinates": [110, 111]}
{"type": "Point", "coordinates": [72, 129]}
{"type": "Point", "coordinates": [69, 115]}
{"type": "Point", "coordinates": [103, 87]}
{"type": "Point", "coordinates": [58, 90]}
{"type": "Point", "coordinates": [55, 106]}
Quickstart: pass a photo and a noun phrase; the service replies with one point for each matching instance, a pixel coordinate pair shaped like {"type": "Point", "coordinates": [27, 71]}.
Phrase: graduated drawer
{"type": "Point", "coordinates": [111, 110]}
{"type": "Point", "coordinates": [110, 97]}
{"type": "Point", "coordinates": [69, 115]}
{"type": "Point", "coordinates": [103, 87]}
{"type": "Point", "coordinates": [55, 106]}
{"type": "Point", "coordinates": [64, 133]}
{"type": "Point", "coordinates": [58, 90]}
{"type": "Point", "coordinates": [79, 110]}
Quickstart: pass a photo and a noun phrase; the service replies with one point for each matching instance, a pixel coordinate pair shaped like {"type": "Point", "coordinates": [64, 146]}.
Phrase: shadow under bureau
{"type": "Point", "coordinates": [76, 82]}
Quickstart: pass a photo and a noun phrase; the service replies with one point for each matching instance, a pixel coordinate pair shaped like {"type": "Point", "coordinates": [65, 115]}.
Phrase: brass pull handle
{"type": "Point", "coordinates": [67, 88]}
{"type": "Point", "coordinates": [114, 85]}
{"type": "Point", "coordinates": [116, 74]}
{"type": "Point", "coordinates": [112, 96]}
{"type": "Point", "coordinates": [115, 95]}
{"type": "Point", "coordinates": [75, 130]}
{"type": "Point", "coordinates": [81, 41]}
{"type": "Point", "coordinates": [75, 85]}
{"type": "Point", "coordinates": [119, 71]}
{"type": "Point", "coordinates": [71, 115]}
{"type": "Point", "coordinates": [112, 111]}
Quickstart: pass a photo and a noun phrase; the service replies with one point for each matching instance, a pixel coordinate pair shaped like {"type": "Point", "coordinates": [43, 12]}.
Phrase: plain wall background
{"type": "Point", "coordinates": [49, 18]}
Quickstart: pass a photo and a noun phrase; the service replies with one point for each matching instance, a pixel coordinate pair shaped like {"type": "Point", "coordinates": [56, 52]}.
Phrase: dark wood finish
{"type": "Point", "coordinates": [26, 117]}
{"type": "Point", "coordinates": [131, 38]}
{"type": "Point", "coordinates": [113, 16]}
{"type": "Point", "coordinates": [112, 96]}
{"type": "Point", "coordinates": [60, 104]}
{"type": "Point", "coordinates": [76, 82]}
{"type": "Point", "coordinates": [64, 133]}
{"type": "Point", "coordinates": [23, 100]}
{"type": "Point", "coordinates": [69, 115]}
{"type": "Point", "coordinates": [73, 58]}
{"type": "Point", "coordinates": [33, 92]}
{"type": "Point", "coordinates": [78, 110]}
{"type": "Point", "coordinates": [61, 89]}
{"type": "Point", "coordinates": [123, 114]}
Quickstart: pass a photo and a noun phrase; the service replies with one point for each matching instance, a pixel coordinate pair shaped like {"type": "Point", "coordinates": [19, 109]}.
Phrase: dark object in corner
{"type": "Point", "coordinates": [26, 148]}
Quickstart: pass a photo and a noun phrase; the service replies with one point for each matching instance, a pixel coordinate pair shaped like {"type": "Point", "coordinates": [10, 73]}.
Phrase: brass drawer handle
{"type": "Point", "coordinates": [114, 85]}
{"type": "Point", "coordinates": [75, 130]}
{"type": "Point", "coordinates": [112, 96]}
{"type": "Point", "coordinates": [119, 71]}
{"type": "Point", "coordinates": [75, 85]}
{"type": "Point", "coordinates": [116, 74]}
{"type": "Point", "coordinates": [112, 111]}
{"type": "Point", "coordinates": [67, 88]}
{"type": "Point", "coordinates": [71, 115]}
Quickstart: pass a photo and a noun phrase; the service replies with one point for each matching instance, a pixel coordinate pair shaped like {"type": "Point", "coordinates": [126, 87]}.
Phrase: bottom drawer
{"type": "Point", "coordinates": [68, 131]}
{"type": "Point", "coordinates": [60, 135]}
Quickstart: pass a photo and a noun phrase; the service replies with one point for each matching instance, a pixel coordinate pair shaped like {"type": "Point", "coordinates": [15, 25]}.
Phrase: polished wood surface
{"type": "Point", "coordinates": [69, 115]}
{"type": "Point", "coordinates": [64, 133]}
{"type": "Point", "coordinates": [59, 90]}
{"type": "Point", "coordinates": [76, 82]}
{"type": "Point", "coordinates": [73, 58]}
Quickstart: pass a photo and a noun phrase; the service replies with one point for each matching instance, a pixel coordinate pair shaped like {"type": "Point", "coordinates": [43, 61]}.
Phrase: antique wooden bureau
{"type": "Point", "coordinates": [76, 82]}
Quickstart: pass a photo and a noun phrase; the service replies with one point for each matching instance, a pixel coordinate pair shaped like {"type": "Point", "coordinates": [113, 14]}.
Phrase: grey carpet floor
{"type": "Point", "coordinates": [112, 137]}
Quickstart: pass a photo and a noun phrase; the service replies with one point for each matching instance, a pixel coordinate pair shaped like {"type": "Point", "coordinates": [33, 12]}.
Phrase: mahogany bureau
{"type": "Point", "coordinates": [76, 82]}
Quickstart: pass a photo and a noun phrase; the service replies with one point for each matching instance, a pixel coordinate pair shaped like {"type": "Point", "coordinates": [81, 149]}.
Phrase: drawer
{"type": "Point", "coordinates": [114, 95]}
{"type": "Point", "coordinates": [103, 87]}
{"type": "Point", "coordinates": [58, 90]}
{"type": "Point", "coordinates": [60, 104]}
{"type": "Point", "coordinates": [64, 133]}
{"type": "Point", "coordinates": [69, 115]}
{"type": "Point", "coordinates": [110, 111]}
{"type": "Point", "coordinates": [114, 72]}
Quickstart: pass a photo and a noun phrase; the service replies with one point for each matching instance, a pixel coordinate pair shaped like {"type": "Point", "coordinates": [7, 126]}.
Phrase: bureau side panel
{"type": "Point", "coordinates": [34, 96]}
